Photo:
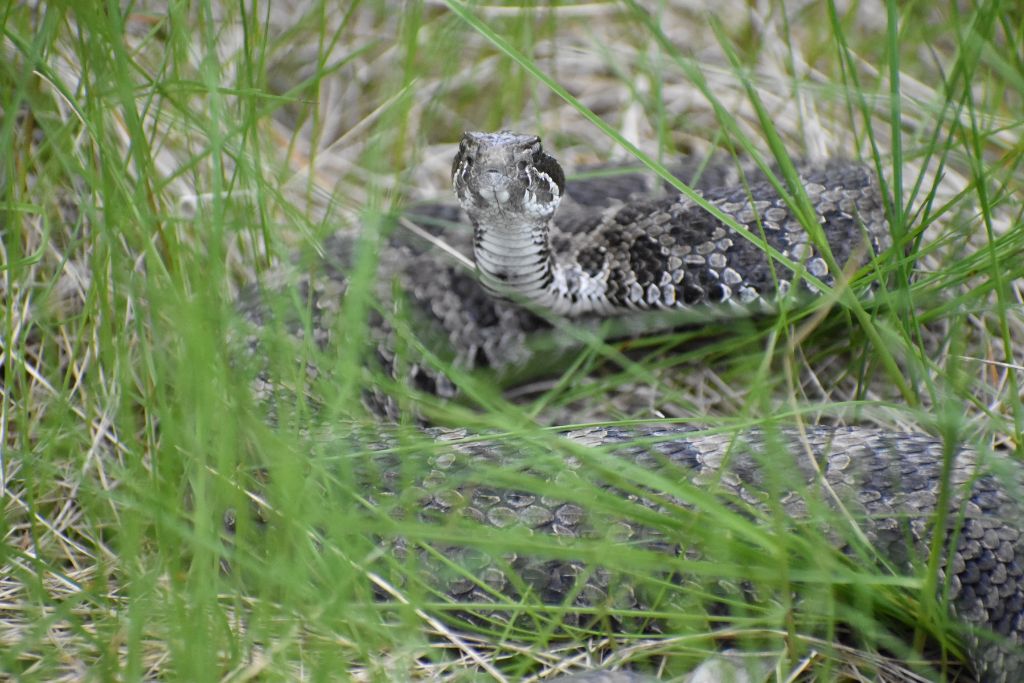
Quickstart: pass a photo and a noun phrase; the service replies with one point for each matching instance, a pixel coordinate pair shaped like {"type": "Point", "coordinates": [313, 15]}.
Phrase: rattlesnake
{"type": "Point", "coordinates": [663, 253]}
{"type": "Point", "coordinates": [617, 254]}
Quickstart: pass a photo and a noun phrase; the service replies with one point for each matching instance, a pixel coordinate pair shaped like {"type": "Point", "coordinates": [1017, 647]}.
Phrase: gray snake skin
{"type": "Point", "coordinates": [889, 483]}
{"type": "Point", "coordinates": [665, 253]}
{"type": "Point", "coordinates": [619, 247]}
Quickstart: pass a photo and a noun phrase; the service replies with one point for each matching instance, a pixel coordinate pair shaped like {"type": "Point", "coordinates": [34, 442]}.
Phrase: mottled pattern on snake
{"type": "Point", "coordinates": [667, 252]}
{"type": "Point", "coordinates": [889, 483]}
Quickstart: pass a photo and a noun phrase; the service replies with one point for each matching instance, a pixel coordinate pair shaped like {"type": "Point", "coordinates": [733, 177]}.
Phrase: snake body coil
{"type": "Point", "coordinates": [904, 492]}
{"type": "Point", "coordinates": [666, 253]}
{"type": "Point", "coordinates": [890, 485]}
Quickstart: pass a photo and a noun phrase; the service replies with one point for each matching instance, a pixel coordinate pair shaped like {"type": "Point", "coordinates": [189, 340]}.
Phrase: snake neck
{"type": "Point", "coordinates": [513, 256]}
{"type": "Point", "coordinates": [515, 261]}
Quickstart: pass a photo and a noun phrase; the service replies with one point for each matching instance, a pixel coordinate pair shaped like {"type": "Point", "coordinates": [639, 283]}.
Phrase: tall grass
{"type": "Point", "coordinates": [159, 158]}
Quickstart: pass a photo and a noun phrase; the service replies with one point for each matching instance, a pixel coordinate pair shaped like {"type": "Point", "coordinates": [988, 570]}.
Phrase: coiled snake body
{"type": "Point", "coordinates": [663, 253]}
{"type": "Point", "coordinates": [669, 252]}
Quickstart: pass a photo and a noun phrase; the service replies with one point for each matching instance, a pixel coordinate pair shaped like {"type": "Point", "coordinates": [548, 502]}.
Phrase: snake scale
{"type": "Point", "coordinates": [618, 246]}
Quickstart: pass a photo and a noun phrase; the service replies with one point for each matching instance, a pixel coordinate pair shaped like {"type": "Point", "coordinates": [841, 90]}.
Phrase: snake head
{"type": "Point", "coordinates": [506, 172]}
